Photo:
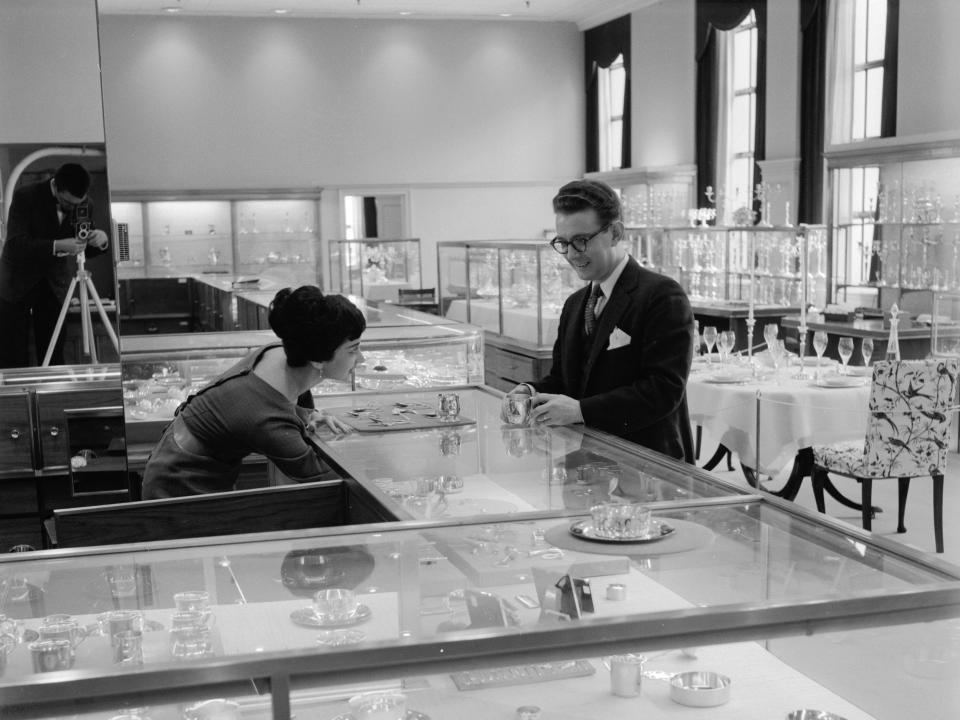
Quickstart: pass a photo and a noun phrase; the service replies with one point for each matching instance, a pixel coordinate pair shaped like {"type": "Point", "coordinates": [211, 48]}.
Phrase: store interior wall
{"type": "Point", "coordinates": [230, 103]}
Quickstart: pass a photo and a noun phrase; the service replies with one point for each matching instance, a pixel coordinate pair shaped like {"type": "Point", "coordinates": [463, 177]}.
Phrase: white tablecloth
{"type": "Point", "coordinates": [793, 414]}
{"type": "Point", "coordinates": [520, 323]}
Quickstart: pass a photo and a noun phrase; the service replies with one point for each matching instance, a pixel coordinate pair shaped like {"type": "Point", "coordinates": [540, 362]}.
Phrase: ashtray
{"type": "Point", "coordinates": [813, 715]}
{"type": "Point", "coordinates": [700, 689]}
{"type": "Point", "coordinates": [307, 617]}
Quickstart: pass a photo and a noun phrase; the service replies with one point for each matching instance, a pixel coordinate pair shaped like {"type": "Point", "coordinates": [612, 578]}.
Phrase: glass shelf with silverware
{"type": "Point", "coordinates": [745, 604]}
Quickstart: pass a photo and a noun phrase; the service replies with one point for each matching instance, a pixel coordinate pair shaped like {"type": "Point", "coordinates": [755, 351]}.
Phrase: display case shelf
{"type": "Point", "coordinates": [262, 235]}
{"type": "Point", "coordinates": [894, 219]}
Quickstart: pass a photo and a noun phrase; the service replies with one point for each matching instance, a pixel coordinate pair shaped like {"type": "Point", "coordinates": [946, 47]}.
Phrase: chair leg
{"type": "Point", "coordinates": [866, 497]}
{"type": "Point", "coordinates": [696, 447]}
{"type": "Point", "coordinates": [938, 511]}
{"type": "Point", "coordinates": [819, 479]}
{"type": "Point", "coordinates": [903, 486]}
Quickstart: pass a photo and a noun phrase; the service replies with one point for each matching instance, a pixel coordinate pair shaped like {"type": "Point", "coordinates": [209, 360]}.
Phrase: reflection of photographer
{"type": "Point", "coordinates": [49, 223]}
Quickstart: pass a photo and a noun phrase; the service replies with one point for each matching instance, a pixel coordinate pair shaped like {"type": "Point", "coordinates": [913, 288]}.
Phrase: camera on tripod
{"type": "Point", "coordinates": [82, 222]}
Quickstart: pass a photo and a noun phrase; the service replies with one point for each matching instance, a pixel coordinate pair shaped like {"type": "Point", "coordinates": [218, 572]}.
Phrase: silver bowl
{"type": "Point", "coordinates": [700, 689]}
{"type": "Point", "coordinates": [813, 715]}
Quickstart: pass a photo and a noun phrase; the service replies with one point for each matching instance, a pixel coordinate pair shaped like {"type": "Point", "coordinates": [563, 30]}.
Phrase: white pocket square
{"type": "Point", "coordinates": [618, 338]}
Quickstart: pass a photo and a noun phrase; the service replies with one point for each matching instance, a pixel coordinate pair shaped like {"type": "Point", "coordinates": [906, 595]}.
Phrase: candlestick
{"type": "Point", "coordinates": [803, 247]}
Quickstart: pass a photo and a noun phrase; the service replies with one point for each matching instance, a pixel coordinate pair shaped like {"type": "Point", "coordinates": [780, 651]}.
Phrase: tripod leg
{"type": "Point", "coordinates": [60, 319]}
{"type": "Point", "coordinates": [89, 344]}
{"type": "Point", "coordinates": [104, 318]}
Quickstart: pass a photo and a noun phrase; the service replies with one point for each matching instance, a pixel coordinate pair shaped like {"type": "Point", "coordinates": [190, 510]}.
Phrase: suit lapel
{"type": "Point", "coordinates": [616, 306]}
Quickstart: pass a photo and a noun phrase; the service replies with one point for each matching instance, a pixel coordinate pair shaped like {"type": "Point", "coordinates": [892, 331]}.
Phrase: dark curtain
{"type": "Point", "coordinates": [888, 119]}
{"type": "Point", "coordinates": [813, 99]}
{"type": "Point", "coordinates": [714, 15]}
{"type": "Point", "coordinates": [601, 47]}
{"type": "Point", "coordinates": [370, 217]}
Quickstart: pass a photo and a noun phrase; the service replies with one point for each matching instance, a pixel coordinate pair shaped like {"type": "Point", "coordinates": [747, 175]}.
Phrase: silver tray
{"type": "Point", "coordinates": [584, 530]}
{"type": "Point", "coordinates": [307, 617]}
{"type": "Point", "coordinates": [411, 715]}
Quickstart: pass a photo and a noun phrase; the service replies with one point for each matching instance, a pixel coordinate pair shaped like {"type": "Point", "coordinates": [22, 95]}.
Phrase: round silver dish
{"type": "Point", "coordinates": [813, 715]}
{"type": "Point", "coordinates": [700, 689]}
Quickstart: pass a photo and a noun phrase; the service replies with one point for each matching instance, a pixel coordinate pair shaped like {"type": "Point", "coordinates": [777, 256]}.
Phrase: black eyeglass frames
{"type": "Point", "coordinates": [578, 242]}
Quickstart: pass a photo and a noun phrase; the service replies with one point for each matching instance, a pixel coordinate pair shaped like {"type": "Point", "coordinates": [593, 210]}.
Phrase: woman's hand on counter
{"type": "Point", "coordinates": [318, 419]}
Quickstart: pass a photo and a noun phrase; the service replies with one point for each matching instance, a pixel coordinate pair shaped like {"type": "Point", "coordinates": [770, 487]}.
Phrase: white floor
{"type": "Point", "coordinates": [919, 511]}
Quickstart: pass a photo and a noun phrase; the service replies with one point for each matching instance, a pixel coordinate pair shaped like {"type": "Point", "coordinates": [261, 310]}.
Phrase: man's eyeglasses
{"type": "Point", "coordinates": [577, 242]}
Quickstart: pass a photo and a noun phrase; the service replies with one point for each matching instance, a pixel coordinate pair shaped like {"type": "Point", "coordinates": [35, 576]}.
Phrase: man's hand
{"type": "Point", "coordinates": [550, 409]}
{"type": "Point", "coordinates": [99, 240]}
{"type": "Point", "coordinates": [68, 246]}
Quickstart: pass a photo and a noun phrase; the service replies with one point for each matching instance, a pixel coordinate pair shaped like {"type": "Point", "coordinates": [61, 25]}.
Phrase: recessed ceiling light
{"type": "Point", "coordinates": [281, 11]}
{"type": "Point", "coordinates": [406, 12]}
{"type": "Point", "coordinates": [172, 9]}
{"type": "Point", "coordinates": [506, 14]}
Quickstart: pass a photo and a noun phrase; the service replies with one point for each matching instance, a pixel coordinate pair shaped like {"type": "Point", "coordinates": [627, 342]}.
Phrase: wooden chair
{"type": "Point", "coordinates": [288, 507]}
{"type": "Point", "coordinates": [911, 406]}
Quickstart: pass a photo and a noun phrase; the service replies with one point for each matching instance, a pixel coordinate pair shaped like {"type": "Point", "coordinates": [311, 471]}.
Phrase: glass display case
{"type": "Point", "coordinates": [375, 268]}
{"type": "Point", "coordinates": [894, 218]}
{"type": "Point", "coordinates": [511, 288]}
{"type": "Point", "coordinates": [218, 233]}
{"type": "Point", "coordinates": [764, 610]}
{"type": "Point", "coordinates": [400, 348]}
{"type": "Point", "coordinates": [418, 469]}
{"type": "Point", "coordinates": [945, 324]}
{"type": "Point", "coordinates": [712, 263]}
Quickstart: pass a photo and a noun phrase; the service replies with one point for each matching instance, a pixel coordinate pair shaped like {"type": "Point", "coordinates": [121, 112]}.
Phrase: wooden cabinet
{"type": "Point", "coordinates": [16, 453]}
{"type": "Point", "coordinates": [156, 305]}
{"type": "Point", "coordinates": [52, 423]}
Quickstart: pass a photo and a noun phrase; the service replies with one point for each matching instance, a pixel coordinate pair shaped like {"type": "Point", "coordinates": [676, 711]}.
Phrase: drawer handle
{"type": "Point", "coordinates": [54, 430]}
{"type": "Point", "coordinates": [15, 434]}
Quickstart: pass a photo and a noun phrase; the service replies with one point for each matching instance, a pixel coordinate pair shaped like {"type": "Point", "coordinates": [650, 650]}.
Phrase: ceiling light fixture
{"type": "Point", "coordinates": [281, 11]}
{"type": "Point", "coordinates": [172, 9]}
{"type": "Point", "coordinates": [506, 14]}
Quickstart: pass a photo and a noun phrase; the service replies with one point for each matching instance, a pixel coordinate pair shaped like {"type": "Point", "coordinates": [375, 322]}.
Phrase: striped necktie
{"type": "Point", "coordinates": [589, 314]}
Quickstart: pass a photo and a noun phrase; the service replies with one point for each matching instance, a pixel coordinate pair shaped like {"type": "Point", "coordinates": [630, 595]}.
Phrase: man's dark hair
{"type": "Point", "coordinates": [586, 195]}
{"type": "Point", "coordinates": [72, 178]}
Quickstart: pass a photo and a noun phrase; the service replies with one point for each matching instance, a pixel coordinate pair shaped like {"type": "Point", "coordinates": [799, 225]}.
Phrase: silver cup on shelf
{"type": "Point", "coordinates": [51, 655]}
{"type": "Point", "coordinates": [448, 406]}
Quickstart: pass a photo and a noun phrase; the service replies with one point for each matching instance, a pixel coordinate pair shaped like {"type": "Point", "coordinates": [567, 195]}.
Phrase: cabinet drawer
{"type": "Point", "coordinates": [19, 496]}
{"type": "Point", "coordinates": [20, 531]}
{"type": "Point", "coordinates": [509, 365]}
{"type": "Point", "coordinates": [15, 433]}
{"type": "Point", "coordinates": [52, 424]}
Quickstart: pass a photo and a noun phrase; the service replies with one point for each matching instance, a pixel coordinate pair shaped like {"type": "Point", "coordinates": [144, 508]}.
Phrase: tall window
{"type": "Point", "coordinates": [606, 51]}
{"type": "Point", "coordinates": [864, 69]}
{"type": "Point", "coordinates": [738, 112]}
{"type": "Point", "coordinates": [612, 82]}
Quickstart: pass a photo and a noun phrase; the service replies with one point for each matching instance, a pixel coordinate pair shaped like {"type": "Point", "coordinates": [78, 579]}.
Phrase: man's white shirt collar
{"type": "Point", "coordinates": [611, 281]}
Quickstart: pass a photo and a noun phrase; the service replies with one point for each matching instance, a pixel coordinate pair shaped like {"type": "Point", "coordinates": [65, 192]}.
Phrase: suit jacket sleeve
{"type": "Point", "coordinates": [553, 381]}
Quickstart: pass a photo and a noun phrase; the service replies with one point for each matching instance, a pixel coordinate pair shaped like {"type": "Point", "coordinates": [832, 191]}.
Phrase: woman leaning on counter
{"type": "Point", "coordinates": [263, 403]}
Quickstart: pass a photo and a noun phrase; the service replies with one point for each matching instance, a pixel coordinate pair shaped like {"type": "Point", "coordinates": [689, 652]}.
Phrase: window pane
{"type": "Point", "coordinates": [871, 178]}
{"type": "Point", "coordinates": [874, 101]}
{"type": "Point", "coordinates": [860, 32]}
{"type": "Point", "coordinates": [856, 190]}
{"type": "Point", "coordinates": [617, 86]}
{"type": "Point", "coordinates": [753, 55]}
{"type": "Point", "coordinates": [859, 104]}
{"type": "Point", "coordinates": [741, 174]}
{"type": "Point", "coordinates": [876, 30]}
{"type": "Point", "coordinates": [616, 144]}
{"type": "Point", "coordinates": [740, 125]}
{"type": "Point", "coordinates": [741, 60]}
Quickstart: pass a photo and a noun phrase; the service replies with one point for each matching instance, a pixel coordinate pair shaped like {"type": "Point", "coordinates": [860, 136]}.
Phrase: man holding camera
{"type": "Point", "coordinates": [49, 223]}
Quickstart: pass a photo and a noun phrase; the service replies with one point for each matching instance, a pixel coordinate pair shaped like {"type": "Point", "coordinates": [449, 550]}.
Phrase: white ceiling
{"type": "Point", "coordinates": [585, 13]}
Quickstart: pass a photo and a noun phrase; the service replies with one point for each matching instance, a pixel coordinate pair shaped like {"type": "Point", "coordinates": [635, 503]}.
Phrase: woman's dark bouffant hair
{"type": "Point", "coordinates": [313, 325]}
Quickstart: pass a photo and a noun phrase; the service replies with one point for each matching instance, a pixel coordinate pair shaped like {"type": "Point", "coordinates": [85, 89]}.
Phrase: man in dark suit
{"type": "Point", "coordinates": [625, 341]}
{"type": "Point", "coordinates": [37, 262]}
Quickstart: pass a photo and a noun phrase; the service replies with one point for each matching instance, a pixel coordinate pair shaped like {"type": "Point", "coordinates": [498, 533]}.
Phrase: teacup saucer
{"type": "Point", "coordinates": [307, 617]}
